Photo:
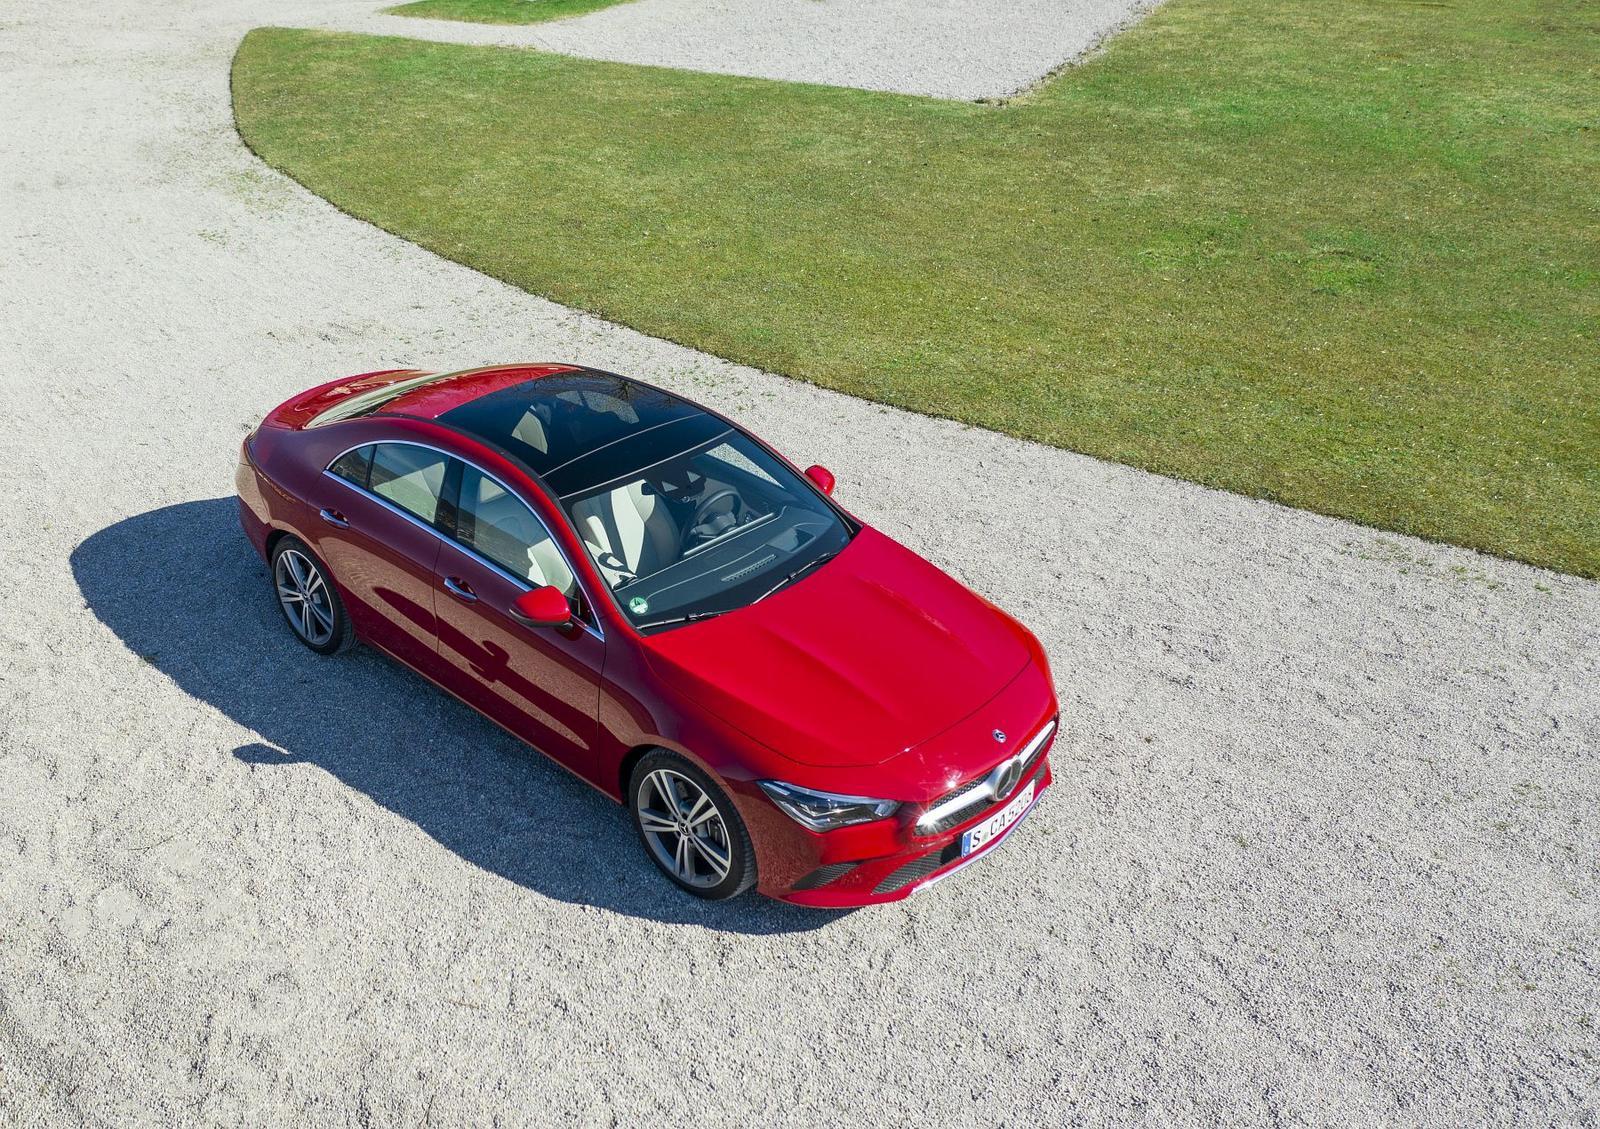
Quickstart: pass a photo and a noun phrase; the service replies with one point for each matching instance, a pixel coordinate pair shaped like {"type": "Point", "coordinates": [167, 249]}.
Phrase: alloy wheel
{"type": "Point", "coordinates": [684, 829]}
{"type": "Point", "coordinates": [305, 597]}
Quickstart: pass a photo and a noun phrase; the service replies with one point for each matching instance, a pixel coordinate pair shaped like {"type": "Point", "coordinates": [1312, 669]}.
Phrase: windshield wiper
{"type": "Point", "coordinates": [796, 574]}
{"type": "Point", "coordinates": [690, 618]}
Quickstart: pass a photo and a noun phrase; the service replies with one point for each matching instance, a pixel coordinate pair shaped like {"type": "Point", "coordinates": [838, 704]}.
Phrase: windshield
{"type": "Point", "coordinates": [710, 529]}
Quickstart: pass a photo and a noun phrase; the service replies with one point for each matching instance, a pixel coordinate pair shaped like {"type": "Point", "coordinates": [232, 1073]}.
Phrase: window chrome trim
{"type": "Point", "coordinates": [985, 792]}
{"type": "Point", "coordinates": [521, 581]}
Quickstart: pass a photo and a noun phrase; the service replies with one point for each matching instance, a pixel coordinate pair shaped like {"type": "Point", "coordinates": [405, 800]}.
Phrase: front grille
{"type": "Point", "coordinates": [825, 874]}
{"type": "Point", "coordinates": [961, 815]}
{"type": "Point", "coordinates": [1033, 761]}
{"type": "Point", "coordinates": [954, 817]}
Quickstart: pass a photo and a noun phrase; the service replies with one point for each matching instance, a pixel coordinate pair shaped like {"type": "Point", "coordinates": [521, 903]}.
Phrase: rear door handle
{"type": "Point", "coordinates": [460, 590]}
{"type": "Point", "coordinates": [334, 517]}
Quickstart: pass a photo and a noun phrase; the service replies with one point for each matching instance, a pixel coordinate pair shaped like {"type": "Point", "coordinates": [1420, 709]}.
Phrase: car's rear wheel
{"type": "Point", "coordinates": [690, 828]}
{"type": "Point", "coordinates": [308, 599]}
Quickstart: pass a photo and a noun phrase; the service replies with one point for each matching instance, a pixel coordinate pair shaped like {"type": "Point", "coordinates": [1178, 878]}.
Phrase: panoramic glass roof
{"type": "Point", "coordinates": [577, 430]}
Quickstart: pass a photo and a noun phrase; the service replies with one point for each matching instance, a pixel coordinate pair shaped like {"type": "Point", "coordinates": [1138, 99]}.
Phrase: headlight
{"type": "Point", "coordinates": [823, 811]}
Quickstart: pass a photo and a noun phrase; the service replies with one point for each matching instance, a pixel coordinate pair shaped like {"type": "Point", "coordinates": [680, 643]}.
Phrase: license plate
{"type": "Point", "coordinates": [998, 823]}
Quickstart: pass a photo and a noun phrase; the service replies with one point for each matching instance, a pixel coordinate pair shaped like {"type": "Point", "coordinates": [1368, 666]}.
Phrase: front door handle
{"type": "Point", "coordinates": [334, 517]}
{"type": "Point", "coordinates": [460, 589]}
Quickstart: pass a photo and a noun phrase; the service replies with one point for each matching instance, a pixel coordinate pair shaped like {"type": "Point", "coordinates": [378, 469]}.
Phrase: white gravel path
{"type": "Point", "coordinates": [1323, 847]}
{"type": "Point", "coordinates": [967, 49]}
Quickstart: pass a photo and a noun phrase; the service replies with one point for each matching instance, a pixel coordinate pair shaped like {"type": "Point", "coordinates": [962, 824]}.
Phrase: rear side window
{"type": "Point", "coordinates": [410, 477]}
{"type": "Point", "coordinates": [354, 466]}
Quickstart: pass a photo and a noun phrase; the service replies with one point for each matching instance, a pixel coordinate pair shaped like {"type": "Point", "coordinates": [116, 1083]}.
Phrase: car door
{"type": "Point", "coordinates": [541, 683]}
{"type": "Point", "coordinates": [379, 507]}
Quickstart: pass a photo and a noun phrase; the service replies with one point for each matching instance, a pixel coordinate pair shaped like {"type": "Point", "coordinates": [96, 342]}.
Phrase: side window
{"type": "Point", "coordinates": [354, 465]}
{"type": "Point", "coordinates": [410, 477]}
{"type": "Point", "coordinates": [500, 526]}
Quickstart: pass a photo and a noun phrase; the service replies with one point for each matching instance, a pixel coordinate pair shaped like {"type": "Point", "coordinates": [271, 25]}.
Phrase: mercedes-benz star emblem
{"type": "Point", "coordinates": [1000, 736]}
{"type": "Point", "coordinates": [1007, 778]}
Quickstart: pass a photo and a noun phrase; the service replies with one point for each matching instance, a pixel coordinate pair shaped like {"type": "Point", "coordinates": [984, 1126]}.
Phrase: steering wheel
{"type": "Point", "coordinates": [672, 491]}
{"type": "Point", "coordinates": [703, 510]}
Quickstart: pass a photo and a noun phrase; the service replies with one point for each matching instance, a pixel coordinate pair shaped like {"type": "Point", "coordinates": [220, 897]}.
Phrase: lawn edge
{"type": "Point", "coordinates": [1492, 553]}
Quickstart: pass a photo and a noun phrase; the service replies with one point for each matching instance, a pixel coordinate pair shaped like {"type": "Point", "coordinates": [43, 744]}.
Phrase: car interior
{"type": "Point", "coordinates": [641, 527]}
{"type": "Point", "coordinates": [701, 528]}
{"type": "Point", "coordinates": [500, 526]}
{"type": "Point", "coordinates": [489, 519]}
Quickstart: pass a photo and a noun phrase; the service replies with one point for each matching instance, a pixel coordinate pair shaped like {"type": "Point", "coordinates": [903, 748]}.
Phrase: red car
{"type": "Point", "coordinates": [784, 697]}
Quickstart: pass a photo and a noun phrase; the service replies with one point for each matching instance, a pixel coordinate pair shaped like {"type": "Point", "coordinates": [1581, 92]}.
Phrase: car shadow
{"type": "Point", "coordinates": [374, 725]}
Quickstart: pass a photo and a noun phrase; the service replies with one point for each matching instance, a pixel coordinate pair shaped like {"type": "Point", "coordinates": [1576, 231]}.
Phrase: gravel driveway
{"type": "Point", "coordinates": [943, 48]}
{"type": "Point", "coordinates": [1322, 849]}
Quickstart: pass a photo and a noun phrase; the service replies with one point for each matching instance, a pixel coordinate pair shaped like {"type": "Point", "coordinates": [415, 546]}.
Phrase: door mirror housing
{"type": "Point", "coordinates": [543, 607]}
{"type": "Point", "coordinates": [822, 477]}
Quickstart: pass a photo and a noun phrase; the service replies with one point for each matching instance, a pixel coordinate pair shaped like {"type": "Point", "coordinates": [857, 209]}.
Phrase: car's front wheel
{"type": "Point", "coordinates": [308, 598]}
{"type": "Point", "coordinates": [690, 828]}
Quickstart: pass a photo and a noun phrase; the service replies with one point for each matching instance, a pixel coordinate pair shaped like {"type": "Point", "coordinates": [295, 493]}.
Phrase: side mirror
{"type": "Point", "coordinates": [543, 607]}
{"type": "Point", "coordinates": [822, 476]}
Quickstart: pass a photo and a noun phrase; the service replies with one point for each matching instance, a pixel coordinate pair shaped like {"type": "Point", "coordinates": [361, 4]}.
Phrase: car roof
{"type": "Point", "coordinates": [575, 429]}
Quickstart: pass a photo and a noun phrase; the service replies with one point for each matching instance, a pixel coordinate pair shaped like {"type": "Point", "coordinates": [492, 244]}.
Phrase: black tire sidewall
{"type": "Point", "coordinates": [343, 633]}
{"type": "Point", "coordinates": [742, 871]}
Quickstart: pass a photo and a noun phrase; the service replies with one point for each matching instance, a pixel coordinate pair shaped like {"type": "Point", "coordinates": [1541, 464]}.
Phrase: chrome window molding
{"type": "Point", "coordinates": [521, 581]}
{"type": "Point", "coordinates": [986, 791]}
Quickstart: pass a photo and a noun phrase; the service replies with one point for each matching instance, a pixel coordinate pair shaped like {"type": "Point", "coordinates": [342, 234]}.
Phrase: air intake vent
{"type": "Point", "coordinates": [913, 871]}
{"type": "Point", "coordinates": [825, 874]}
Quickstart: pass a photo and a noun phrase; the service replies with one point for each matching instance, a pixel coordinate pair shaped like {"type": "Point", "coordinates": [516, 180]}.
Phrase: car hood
{"type": "Point", "coordinates": [862, 660]}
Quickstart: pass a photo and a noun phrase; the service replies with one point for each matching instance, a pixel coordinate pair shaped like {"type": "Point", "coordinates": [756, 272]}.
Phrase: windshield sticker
{"type": "Point", "coordinates": [638, 605]}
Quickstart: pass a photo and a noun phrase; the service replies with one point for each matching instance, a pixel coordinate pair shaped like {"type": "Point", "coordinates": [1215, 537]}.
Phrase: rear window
{"type": "Point", "coordinates": [365, 403]}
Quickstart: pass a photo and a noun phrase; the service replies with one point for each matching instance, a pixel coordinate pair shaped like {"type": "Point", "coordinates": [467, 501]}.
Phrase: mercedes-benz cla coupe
{"type": "Point", "coordinates": [783, 697]}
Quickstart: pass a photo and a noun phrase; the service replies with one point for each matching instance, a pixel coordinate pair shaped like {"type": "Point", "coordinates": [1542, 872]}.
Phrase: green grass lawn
{"type": "Point", "coordinates": [500, 11]}
{"type": "Point", "coordinates": [1345, 256]}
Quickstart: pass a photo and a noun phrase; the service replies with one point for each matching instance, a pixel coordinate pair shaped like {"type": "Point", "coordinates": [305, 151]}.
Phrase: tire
{"type": "Point", "coordinates": [667, 845]}
{"type": "Point", "coordinates": [296, 572]}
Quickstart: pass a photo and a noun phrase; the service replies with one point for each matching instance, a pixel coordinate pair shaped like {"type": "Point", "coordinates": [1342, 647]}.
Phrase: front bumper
{"type": "Point", "coordinates": [919, 862]}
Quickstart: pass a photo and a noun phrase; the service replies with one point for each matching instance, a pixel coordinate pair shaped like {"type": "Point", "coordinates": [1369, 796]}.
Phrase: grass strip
{"type": "Point", "coordinates": [1346, 257]}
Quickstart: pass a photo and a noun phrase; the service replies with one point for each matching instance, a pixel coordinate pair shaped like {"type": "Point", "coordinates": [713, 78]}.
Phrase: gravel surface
{"type": "Point", "coordinates": [966, 49]}
{"type": "Point", "coordinates": [1322, 848]}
